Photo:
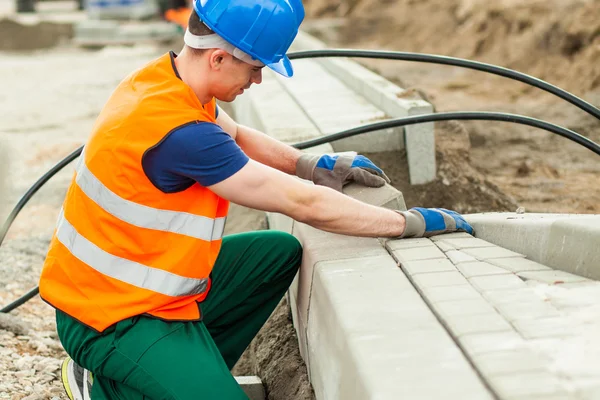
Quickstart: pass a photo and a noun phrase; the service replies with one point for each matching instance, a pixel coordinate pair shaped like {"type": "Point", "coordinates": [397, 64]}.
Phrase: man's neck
{"type": "Point", "coordinates": [191, 74]}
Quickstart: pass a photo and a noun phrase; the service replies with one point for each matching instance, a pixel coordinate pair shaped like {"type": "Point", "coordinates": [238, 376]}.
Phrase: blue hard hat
{"type": "Point", "coordinates": [264, 29]}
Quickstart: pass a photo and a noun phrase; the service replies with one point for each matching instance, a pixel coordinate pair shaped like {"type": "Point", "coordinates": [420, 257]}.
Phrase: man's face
{"type": "Point", "coordinates": [234, 77]}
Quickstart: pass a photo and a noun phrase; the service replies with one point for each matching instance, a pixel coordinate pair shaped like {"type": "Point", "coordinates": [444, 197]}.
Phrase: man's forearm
{"type": "Point", "coordinates": [266, 150]}
{"type": "Point", "coordinates": [329, 210]}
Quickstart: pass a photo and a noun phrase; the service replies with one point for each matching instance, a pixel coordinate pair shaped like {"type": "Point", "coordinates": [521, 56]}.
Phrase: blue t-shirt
{"type": "Point", "coordinates": [199, 152]}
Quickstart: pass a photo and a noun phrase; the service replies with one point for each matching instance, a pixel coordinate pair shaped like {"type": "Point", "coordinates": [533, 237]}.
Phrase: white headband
{"type": "Point", "coordinates": [215, 41]}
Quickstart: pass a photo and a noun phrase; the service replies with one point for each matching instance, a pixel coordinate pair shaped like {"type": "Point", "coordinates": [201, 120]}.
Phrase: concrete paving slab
{"type": "Point", "coordinates": [496, 282]}
{"type": "Point", "coordinates": [521, 295]}
{"type": "Point", "coordinates": [449, 293]}
{"type": "Point", "coordinates": [455, 235]}
{"type": "Point", "coordinates": [457, 257]}
{"type": "Point", "coordinates": [470, 324]}
{"type": "Point", "coordinates": [465, 243]}
{"type": "Point", "coordinates": [434, 279]}
{"type": "Point", "coordinates": [471, 269]}
{"type": "Point", "coordinates": [518, 264]}
{"type": "Point", "coordinates": [509, 362]}
{"type": "Point", "coordinates": [444, 246]}
{"type": "Point", "coordinates": [487, 253]}
{"type": "Point", "coordinates": [551, 277]}
{"type": "Point", "coordinates": [427, 266]}
{"type": "Point", "coordinates": [417, 254]}
{"type": "Point", "coordinates": [519, 311]}
{"type": "Point", "coordinates": [449, 309]}
{"type": "Point", "coordinates": [393, 244]}
{"type": "Point", "coordinates": [539, 328]}
{"type": "Point", "coordinates": [527, 384]}
{"type": "Point", "coordinates": [479, 344]}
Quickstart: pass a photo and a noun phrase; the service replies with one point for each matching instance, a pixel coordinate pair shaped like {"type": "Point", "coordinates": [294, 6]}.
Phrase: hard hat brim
{"type": "Point", "coordinates": [283, 67]}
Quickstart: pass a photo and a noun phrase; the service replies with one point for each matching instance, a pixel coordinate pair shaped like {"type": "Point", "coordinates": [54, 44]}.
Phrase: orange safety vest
{"type": "Point", "coordinates": [122, 247]}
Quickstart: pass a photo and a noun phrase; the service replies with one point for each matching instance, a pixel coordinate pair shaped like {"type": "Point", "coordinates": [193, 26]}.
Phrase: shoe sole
{"type": "Point", "coordinates": [68, 380]}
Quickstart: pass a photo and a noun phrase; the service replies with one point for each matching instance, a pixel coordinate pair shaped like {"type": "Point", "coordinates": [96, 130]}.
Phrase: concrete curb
{"type": "Point", "coordinates": [364, 330]}
{"type": "Point", "coordinates": [568, 242]}
{"type": "Point", "coordinates": [419, 140]}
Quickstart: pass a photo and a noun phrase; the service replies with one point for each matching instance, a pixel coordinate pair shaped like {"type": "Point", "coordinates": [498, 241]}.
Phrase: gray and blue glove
{"type": "Point", "coordinates": [425, 222]}
{"type": "Point", "coordinates": [336, 170]}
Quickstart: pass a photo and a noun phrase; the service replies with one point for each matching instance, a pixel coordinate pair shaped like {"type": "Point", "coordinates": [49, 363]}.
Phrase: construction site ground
{"type": "Point", "coordinates": [51, 97]}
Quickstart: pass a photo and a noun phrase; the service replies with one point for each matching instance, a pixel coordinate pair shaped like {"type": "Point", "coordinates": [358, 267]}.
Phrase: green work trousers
{"type": "Point", "coordinates": [149, 358]}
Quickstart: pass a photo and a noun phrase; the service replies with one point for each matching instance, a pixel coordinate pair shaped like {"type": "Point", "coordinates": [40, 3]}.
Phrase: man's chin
{"type": "Point", "coordinates": [227, 99]}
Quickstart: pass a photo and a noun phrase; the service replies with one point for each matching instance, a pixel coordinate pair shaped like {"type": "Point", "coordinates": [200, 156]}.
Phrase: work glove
{"type": "Point", "coordinates": [425, 222]}
{"type": "Point", "coordinates": [339, 169]}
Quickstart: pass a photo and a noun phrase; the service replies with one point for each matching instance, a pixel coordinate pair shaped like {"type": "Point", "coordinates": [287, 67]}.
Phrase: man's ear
{"type": "Point", "coordinates": [217, 58]}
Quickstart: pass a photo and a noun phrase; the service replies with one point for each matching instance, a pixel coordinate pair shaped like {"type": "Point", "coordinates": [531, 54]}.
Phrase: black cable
{"type": "Point", "coordinates": [21, 300]}
{"type": "Point", "coordinates": [459, 115]}
{"type": "Point", "coordinates": [458, 62]}
{"type": "Point", "coordinates": [17, 209]}
{"type": "Point", "coordinates": [32, 190]}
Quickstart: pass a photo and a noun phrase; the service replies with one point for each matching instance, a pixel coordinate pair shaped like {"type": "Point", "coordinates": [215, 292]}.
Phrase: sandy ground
{"type": "Point", "coordinates": [554, 40]}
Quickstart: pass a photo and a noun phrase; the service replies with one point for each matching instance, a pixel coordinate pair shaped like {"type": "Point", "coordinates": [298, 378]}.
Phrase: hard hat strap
{"type": "Point", "coordinates": [214, 41]}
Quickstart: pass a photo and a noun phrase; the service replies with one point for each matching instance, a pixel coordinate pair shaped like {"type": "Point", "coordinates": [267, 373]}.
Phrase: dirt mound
{"type": "Point", "coordinates": [18, 37]}
{"type": "Point", "coordinates": [555, 40]}
{"type": "Point", "coordinates": [458, 185]}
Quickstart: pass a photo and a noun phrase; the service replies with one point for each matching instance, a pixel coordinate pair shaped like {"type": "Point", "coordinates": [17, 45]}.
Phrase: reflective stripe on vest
{"type": "Point", "coordinates": [195, 226]}
{"type": "Point", "coordinates": [125, 270]}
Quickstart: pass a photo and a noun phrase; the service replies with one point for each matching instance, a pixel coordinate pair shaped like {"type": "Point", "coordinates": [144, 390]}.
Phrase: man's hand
{"type": "Point", "coordinates": [425, 222]}
{"type": "Point", "coordinates": [335, 171]}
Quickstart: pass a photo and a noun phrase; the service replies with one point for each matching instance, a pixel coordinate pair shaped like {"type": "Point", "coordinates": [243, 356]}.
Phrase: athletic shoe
{"type": "Point", "coordinates": [76, 380]}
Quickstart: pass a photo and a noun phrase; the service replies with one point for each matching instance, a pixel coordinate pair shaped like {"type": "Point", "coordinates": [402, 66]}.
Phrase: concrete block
{"type": "Point", "coordinates": [496, 282]}
{"type": "Point", "coordinates": [518, 264]}
{"type": "Point", "coordinates": [576, 297]}
{"type": "Point", "coordinates": [471, 269]}
{"type": "Point", "coordinates": [252, 386]}
{"type": "Point", "coordinates": [521, 295]}
{"type": "Point", "coordinates": [470, 324]}
{"type": "Point", "coordinates": [444, 246]}
{"type": "Point", "coordinates": [427, 266]}
{"type": "Point", "coordinates": [487, 253]}
{"type": "Point", "coordinates": [509, 362]}
{"type": "Point", "coordinates": [479, 344]}
{"type": "Point", "coordinates": [458, 257]}
{"type": "Point", "coordinates": [465, 243]}
{"type": "Point", "coordinates": [551, 277]}
{"type": "Point", "coordinates": [561, 241]}
{"type": "Point", "coordinates": [519, 311]}
{"type": "Point", "coordinates": [419, 141]}
{"type": "Point", "coordinates": [321, 246]}
{"type": "Point", "coordinates": [449, 293]}
{"type": "Point", "coordinates": [439, 279]}
{"type": "Point", "coordinates": [386, 196]}
{"type": "Point", "coordinates": [420, 253]}
{"type": "Point", "coordinates": [454, 235]}
{"type": "Point", "coordinates": [527, 385]}
{"type": "Point", "coordinates": [396, 244]}
{"type": "Point", "coordinates": [449, 309]}
{"type": "Point", "coordinates": [544, 327]}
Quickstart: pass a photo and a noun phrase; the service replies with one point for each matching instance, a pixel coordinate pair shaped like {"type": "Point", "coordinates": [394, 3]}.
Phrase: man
{"type": "Point", "coordinates": [149, 297]}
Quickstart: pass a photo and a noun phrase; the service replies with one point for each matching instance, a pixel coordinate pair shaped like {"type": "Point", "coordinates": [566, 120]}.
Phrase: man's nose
{"type": "Point", "coordinates": [256, 77]}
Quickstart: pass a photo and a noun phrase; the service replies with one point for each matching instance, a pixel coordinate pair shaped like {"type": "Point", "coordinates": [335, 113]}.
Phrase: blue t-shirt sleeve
{"type": "Point", "coordinates": [202, 153]}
